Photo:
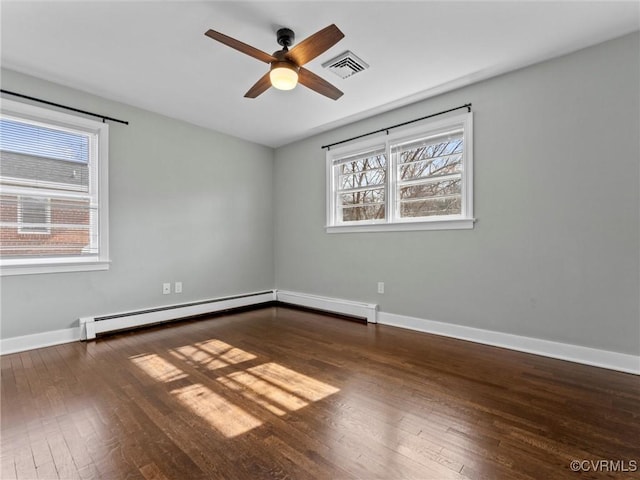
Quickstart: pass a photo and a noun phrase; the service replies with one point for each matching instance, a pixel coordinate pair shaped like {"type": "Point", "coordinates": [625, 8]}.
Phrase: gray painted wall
{"type": "Point", "coordinates": [554, 255]}
{"type": "Point", "coordinates": [555, 252]}
{"type": "Point", "coordinates": [186, 204]}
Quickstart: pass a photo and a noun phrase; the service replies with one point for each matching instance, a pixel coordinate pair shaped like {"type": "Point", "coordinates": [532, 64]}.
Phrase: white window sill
{"type": "Point", "coordinates": [59, 267]}
{"type": "Point", "coordinates": [457, 224]}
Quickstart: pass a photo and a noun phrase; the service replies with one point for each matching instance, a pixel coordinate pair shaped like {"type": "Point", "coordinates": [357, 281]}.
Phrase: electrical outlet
{"type": "Point", "coordinates": [166, 288]}
{"type": "Point", "coordinates": [178, 287]}
{"type": "Point", "coordinates": [380, 287]}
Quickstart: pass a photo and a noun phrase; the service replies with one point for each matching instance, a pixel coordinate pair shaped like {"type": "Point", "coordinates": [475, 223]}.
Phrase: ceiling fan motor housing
{"type": "Point", "coordinates": [286, 37]}
{"type": "Point", "coordinates": [282, 61]}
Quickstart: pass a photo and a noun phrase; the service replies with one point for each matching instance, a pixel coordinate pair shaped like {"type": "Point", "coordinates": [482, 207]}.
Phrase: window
{"type": "Point", "coordinates": [417, 178]}
{"type": "Point", "coordinates": [34, 215]}
{"type": "Point", "coordinates": [53, 191]}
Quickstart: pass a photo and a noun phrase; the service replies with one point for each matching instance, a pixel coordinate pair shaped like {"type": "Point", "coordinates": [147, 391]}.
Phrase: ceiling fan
{"type": "Point", "coordinates": [287, 65]}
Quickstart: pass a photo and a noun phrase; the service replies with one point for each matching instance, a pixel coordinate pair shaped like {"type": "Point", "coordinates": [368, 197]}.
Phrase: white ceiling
{"type": "Point", "coordinates": [154, 55]}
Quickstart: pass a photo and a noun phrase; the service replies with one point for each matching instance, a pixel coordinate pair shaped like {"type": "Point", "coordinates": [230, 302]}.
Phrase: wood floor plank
{"type": "Point", "coordinates": [24, 463]}
{"type": "Point", "coordinates": [281, 393]}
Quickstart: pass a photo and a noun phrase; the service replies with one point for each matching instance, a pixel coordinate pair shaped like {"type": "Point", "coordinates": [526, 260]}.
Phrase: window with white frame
{"type": "Point", "coordinates": [417, 178]}
{"type": "Point", "coordinates": [53, 191]}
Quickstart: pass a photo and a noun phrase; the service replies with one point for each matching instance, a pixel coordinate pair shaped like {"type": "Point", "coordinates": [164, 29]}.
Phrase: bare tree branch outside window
{"type": "Point", "coordinates": [362, 188]}
{"type": "Point", "coordinates": [430, 179]}
{"type": "Point", "coordinates": [420, 175]}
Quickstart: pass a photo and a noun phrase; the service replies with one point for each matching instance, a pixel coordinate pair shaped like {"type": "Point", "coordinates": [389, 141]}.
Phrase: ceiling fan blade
{"type": "Point", "coordinates": [317, 84]}
{"type": "Point", "coordinates": [240, 46]}
{"type": "Point", "coordinates": [259, 87]}
{"type": "Point", "coordinates": [316, 44]}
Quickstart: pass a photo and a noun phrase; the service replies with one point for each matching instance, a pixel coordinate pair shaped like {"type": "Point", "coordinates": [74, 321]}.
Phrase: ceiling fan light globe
{"type": "Point", "coordinates": [283, 78]}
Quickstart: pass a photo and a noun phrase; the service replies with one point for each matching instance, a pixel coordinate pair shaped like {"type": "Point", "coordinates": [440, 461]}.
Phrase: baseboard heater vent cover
{"type": "Point", "coordinates": [366, 311]}
{"type": "Point", "coordinates": [92, 326]}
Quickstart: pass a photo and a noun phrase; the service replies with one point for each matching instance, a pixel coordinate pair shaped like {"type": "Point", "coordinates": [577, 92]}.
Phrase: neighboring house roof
{"type": "Point", "coordinates": [23, 167]}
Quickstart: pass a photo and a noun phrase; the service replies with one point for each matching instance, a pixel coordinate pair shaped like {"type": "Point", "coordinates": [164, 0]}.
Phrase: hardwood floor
{"type": "Point", "coordinates": [283, 393]}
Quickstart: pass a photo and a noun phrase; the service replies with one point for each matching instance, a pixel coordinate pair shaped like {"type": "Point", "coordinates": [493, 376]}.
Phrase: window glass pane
{"type": "Point", "coordinates": [355, 175]}
{"type": "Point", "coordinates": [34, 215]}
{"type": "Point", "coordinates": [363, 197]}
{"type": "Point", "coordinates": [448, 137]}
{"type": "Point", "coordinates": [42, 172]}
{"type": "Point", "coordinates": [433, 198]}
{"type": "Point", "coordinates": [424, 160]}
{"type": "Point", "coordinates": [30, 139]}
{"type": "Point", "coordinates": [431, 207]}
{"type": "Point", "coordinates": [358, 214]}
{"type": "Point", "coordinates": [46, 227]}
{"type": "Point", "coordinates": [375, 176]}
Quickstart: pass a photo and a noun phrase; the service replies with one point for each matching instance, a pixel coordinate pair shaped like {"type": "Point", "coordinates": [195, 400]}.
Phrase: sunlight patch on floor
{"type": "Point", "coordinates": [224, 416]}
{"type": "Point", "coordinates": [294, 382]}
{"type": "Point", "coordinates": [214, 354]}
{"type": "Point", "coordinates": [158, 368]}
{"type": "Point", "coordinates": [269, 396]}
{"type": "Point", "coordinates": [271, 386]}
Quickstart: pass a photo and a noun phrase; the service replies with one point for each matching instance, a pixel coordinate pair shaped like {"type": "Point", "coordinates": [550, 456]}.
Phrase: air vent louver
{"type": "Point", "coordinates": [345, 64]}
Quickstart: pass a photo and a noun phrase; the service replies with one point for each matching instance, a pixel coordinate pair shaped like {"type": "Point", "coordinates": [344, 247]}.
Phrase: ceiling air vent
{"type": "Point", "coordinates": [345, 64]}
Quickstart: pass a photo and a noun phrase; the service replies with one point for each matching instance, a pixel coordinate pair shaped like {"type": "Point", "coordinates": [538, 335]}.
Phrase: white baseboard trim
{"type": "Point", "coordinates": [574, 353]}
{"type": "Point", "coordinates": [334, 305]}
{"type": "Point", "coordinates": [38, 340]}
{"type": "Point", "coordinates": [91, 326]}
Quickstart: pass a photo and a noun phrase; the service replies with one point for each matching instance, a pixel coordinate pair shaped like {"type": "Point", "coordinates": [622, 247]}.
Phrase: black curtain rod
{"type": "Point", "coordinates": [103, 117]}
{"type": "Point", "coordinates": [466, 105]}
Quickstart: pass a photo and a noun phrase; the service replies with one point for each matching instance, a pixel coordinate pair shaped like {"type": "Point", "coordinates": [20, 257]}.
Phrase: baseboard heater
{"type": "Point", "coordinates": [364, 311]}
{"type": "Point", "coordinates": [92, 326]}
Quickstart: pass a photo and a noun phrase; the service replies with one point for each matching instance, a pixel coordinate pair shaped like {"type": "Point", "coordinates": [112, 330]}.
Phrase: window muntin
{"type": "Point", "coordinates": [53, 202]}
{"type": "Point", "coordinates": [422, 179]}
